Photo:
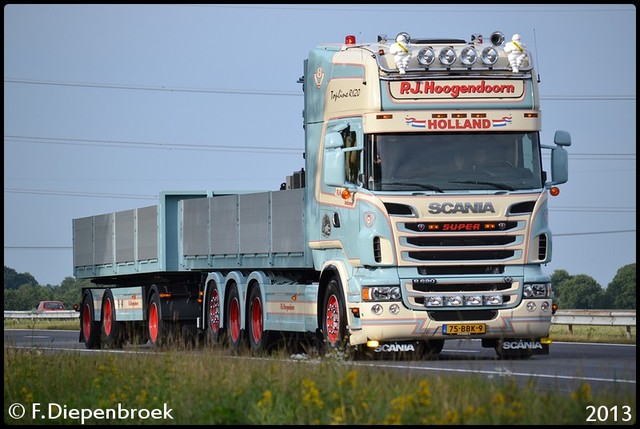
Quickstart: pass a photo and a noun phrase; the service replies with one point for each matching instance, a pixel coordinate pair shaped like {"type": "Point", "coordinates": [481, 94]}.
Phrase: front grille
{"type": "Point", "coordinates": [462, 316]}
{"type": "Point", "coordinates": [542, 247]}
{"type": "Point", "coordinates": [459, 287]}
{"type": "Point", "coordinates": [464, 255]}
{"type": "Point", "coordinates": [377, 253]}
{"type": "Point", "coordinates": [445, 241]}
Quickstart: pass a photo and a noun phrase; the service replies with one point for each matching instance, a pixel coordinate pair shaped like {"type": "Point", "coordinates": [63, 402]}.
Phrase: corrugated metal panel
{"type": "Point", "coordinates": [103, 239]}
{"type": "Point", "coordinates": [224, 230]}
{"type": "Point", "coordinates": [125, 236]}
{"type": "Point", "coordinates": [195, 224]}
{"type": "Point", "coordinates": [287, 221]}
{"type": "Point", "coordinates": [148, 233]}
{"type": "Point", "coordinates": [254, 223]}
{"type": "Point", "coordinates": [83, 241]}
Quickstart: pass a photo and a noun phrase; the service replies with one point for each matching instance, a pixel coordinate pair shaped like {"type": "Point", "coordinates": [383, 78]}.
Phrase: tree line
{"type": "Point", "coordinates": [576, 292]}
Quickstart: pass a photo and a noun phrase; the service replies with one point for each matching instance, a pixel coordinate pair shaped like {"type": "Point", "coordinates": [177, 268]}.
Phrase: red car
{"type": "Point", "coordinates": [50, 306]}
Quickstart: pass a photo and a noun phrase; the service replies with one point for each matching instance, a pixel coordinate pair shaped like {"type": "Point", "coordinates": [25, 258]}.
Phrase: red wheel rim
{"type": "Point", "coordinates": [256, 320]}
{"type": "Point", "coordinates": [333, 320]}
{"type": "Point", "coordinates": [234, 319]}
{"type": "Point", "coordinates": [86, 321]}
{"type": "Point", "coordinates": [153, 322]}
{"type": "Point", "coordinates": [214, 311]}
{"type": "Point", "coordinates": [108, 316]}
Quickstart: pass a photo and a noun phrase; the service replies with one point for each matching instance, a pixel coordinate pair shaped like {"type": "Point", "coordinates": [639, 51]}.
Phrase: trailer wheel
{"type": "Point", "coordinates": [233, 317]}
{"type": "Point", "coordinates": [258, 337]}
{"type": "Point", "coordinates": [334, 319]}
{"type": "Point", "coordinates": [214, 334]}
{"type": "Point", "coordinates": [157, 328]}
{"type": "Point", "coordinates": [112, 330]}
{"type": "Point", "coordinates": [90, 328]}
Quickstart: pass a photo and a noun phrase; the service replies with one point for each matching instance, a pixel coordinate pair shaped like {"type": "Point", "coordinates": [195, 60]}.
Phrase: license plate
{"type": "Point", "coordinates": [464, 329]}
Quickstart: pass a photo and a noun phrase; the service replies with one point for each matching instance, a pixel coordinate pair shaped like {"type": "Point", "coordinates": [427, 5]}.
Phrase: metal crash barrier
{"type": "Point", "coordinates": [626, 318]}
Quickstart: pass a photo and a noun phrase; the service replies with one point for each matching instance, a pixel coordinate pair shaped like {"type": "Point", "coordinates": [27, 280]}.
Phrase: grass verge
{"type": "Point", "coordinates": [215, 388]}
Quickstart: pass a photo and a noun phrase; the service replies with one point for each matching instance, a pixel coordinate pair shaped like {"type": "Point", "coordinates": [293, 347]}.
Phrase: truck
{"type": "Point", "coordinates": [420, 216]}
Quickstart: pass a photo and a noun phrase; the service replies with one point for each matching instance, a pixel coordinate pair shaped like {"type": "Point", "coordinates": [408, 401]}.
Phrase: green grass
{"type": "Point", "coordinates": [593, 334]}
{"type": "Point", "coordinates": [216, 388]}
{"type": "Point", "coordinates": [213, 387]}
{"type": "Point", "coordinates": [66, 324]}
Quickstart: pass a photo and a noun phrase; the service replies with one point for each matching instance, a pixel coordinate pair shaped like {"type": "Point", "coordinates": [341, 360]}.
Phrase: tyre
{"type": "Point", "coordinates": [334, 319]}
{"type": "Point", "coordinates": [214, 333]}
{"type": "Point", "coordinates": [157, 329]}
{"type": "Point", "coordinates": [257, 336]}
{"type": "Point", "coordinates": [90, 328]}
{"type": "Point", "coordinates": [112, 331]}
{"type": "Point", "coordinates": [233, 315]}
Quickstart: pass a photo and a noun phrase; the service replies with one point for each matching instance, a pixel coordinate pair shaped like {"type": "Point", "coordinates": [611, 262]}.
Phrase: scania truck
{"type": "Point", "coordinates": [420, 216]}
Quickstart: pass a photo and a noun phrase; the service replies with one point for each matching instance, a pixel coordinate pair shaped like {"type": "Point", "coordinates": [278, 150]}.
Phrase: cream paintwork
{"type": "Point", "coordinates": [397, 121]}
{"type": "Point", "coordinates": [416, 325]}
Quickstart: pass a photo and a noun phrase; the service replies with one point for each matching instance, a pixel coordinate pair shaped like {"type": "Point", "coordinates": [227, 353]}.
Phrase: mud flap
{"type": "Point", "coordinates": [521, 348]}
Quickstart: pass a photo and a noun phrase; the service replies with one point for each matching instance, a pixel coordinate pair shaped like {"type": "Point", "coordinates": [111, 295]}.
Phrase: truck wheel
{"type": "Point", "coordinates": [334, 319]}
{"type": "Point", "coordinates": [233, 316]}
{"type": "Point", "coordinates": [157, 328]}
{"type": "Point", "coordinates": [213, 315]}
{"type": "Point", "coordinates": [90, 328]}
{"type": "Point", "coordinates": [258, 337]}
{"type": "Point", "coordinates": [112, 330]}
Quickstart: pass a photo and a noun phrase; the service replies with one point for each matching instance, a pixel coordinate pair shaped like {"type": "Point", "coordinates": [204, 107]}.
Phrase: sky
{"type": "Point", "coordinates": [106, 106]}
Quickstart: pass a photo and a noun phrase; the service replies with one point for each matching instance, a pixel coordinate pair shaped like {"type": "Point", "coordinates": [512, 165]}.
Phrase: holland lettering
{"type": "Point", "coordinates": [458, 124]}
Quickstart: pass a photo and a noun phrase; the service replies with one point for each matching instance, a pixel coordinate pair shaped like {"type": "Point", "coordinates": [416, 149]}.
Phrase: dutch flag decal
{"type": "Point", "coordinates": [501, 122]}
{"type": "Point", "coordinates": [416, 123]}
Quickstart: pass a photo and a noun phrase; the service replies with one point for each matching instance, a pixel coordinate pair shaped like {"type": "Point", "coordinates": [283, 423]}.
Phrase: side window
{"type": "Point", "coordinates": [352, 158]}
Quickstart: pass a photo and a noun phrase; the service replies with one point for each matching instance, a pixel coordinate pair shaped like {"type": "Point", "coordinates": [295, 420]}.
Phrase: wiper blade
{"type": "Point", "coordinates": [480, 182]}
{"type": "Point", "coordinates": [419, 185]}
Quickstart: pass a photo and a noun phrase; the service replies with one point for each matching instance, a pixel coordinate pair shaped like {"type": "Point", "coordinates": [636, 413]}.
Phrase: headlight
{"type": "Point", "coordinates": [537, 290]}
{"type": "Point", "coordinates": [447, 56]}
{"type": "Point", "coordinates": [453, 301]}
{"type": "Point", "coordinates": [381, 293]}
{"type": "Point", "coordinates": [489, 56]}
{"type": "Point", "coordinates": [468, 56]}
{"type": "Point", "coordinates": [492, 299]}
{"type": "Point", "coordinates": [472, 300]}
{"type": "Point", "coordinates": [426, 57]}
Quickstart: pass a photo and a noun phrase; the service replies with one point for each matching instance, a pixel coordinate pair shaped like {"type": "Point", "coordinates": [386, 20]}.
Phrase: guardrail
{"type": "Point", "coordinates": [51, 314]}
{"type": "Point", "coordinates": [626, 318]}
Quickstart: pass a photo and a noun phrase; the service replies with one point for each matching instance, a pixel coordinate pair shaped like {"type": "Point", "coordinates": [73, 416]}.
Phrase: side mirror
{"type": "Point", "coordinates": [560, 158]}
{"type": "Point", "coordinates": [562, 138]}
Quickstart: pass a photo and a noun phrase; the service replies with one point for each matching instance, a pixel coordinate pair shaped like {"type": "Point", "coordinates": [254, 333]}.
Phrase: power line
{"type": "Point", "coordinates": [79, 194]}
{"type": "Point", "coordinates": [594, 233]}
{"type": "Point", "coordinates": [34, 247]}
{"type": "Point", "coordinates": [229, 148]}
{"type": "Point", "coordinates": [604, 97]}
{"type": "Point", "coordinates": [150, 145]}
{"type": "Point", "coordinates": [154, 88]}
{"type": "Point", "coordinates": [587, 209]}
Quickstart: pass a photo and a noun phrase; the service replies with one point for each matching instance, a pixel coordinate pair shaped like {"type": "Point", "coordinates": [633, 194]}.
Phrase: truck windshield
{"type": "Point", "coordinates": [453, 161]}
